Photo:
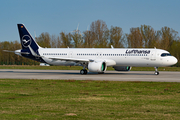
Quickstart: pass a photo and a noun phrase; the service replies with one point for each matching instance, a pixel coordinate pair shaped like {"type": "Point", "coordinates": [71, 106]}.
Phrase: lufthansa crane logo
{"type": "Point", "coordinates": [26, 40]}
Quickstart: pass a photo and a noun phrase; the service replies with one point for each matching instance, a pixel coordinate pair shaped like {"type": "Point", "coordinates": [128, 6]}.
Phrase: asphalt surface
{"type": "Point", "coordinates": [164, 76]}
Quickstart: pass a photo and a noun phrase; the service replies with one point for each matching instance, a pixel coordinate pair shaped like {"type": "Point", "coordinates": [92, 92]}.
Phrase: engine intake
{"type": "Point", "coordinates": [97, 66]}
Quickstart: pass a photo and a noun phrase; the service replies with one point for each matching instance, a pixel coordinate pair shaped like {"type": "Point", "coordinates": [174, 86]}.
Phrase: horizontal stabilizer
{"type": "Point", "coordinates": [26, 53]}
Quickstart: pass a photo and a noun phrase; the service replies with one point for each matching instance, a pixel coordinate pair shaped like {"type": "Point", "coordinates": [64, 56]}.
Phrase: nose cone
{"type": "Point", "coordinates": [174, 60]}
{"type": "Point", "coordinates": [170, 60]}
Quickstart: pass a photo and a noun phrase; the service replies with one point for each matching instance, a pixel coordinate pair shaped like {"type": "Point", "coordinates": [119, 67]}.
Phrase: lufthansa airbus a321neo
{"type": "Point", "coordinates": [93, 59]}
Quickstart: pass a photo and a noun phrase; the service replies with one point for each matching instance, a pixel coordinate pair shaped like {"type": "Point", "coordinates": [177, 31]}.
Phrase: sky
{"type": "Point", "coordinates": [55, 16]}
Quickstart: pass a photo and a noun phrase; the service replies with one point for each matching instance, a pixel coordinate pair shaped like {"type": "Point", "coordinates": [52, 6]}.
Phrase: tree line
{"type": "Point", "coordinates": [99, 36]}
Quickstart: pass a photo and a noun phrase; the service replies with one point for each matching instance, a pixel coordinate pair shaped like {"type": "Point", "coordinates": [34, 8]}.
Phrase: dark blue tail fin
{"type": "Point", "coordinates": [27, 40]}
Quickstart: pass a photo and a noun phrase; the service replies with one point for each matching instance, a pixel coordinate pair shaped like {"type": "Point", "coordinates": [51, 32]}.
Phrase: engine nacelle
{"type": "Point", "coordinates": [97, 66]}
{"type": "Point", "coordinates": [122, 68]}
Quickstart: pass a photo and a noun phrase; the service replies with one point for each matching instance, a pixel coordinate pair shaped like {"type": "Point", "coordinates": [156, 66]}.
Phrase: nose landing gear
{"type": "Point", "coordinates": [156, 71]}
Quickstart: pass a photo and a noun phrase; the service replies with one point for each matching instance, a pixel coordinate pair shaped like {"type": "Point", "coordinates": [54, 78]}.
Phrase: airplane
{"type": "Point", "coordinates": [93, 59]}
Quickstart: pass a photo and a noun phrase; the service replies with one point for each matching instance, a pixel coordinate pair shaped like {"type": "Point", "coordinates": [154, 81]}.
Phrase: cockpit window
{"type": "Point", "coordinates": [165, 54]}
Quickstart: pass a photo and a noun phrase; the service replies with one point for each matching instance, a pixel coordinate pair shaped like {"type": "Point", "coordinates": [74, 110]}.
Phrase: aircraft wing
{"type": "Point", "coordinates": [109, 62]}
{"type": "Point", "coordinates": [71, 59]}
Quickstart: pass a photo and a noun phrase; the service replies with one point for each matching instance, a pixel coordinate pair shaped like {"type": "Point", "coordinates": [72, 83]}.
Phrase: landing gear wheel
{"type": "Point", "coordinates": [83, 71]}
{"type": "Point", "coordinates": [156, 73]}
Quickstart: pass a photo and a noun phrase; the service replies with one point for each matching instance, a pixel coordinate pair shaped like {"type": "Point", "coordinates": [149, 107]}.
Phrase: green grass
{"type": "Point", "coordinates": [70, 99]}
{"type": "Point", "coordinates": [79, 68]}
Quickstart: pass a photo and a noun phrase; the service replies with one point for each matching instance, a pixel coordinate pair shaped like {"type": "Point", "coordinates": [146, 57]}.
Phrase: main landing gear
{"type": "Point", "coordinates": [83, 72]}
{"type": "Point", "coordinates": [156, 71]}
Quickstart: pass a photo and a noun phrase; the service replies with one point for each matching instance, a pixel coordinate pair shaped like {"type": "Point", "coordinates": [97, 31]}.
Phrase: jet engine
{"type": "Point", "coordinates": [122, 68]}
{"type": "Point", "coordinates": [97, 67]}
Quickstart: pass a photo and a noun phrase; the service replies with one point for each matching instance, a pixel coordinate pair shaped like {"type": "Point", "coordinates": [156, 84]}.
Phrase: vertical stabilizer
{"type": "Point", "coordinates": [26, 38]}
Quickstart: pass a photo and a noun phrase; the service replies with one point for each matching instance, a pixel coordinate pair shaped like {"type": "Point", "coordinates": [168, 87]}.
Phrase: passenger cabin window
{"type": "Point", "coordinates": [165, 54]}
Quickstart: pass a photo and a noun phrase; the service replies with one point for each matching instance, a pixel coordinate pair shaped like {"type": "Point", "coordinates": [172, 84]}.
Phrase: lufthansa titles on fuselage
{"type": "Point", "coordinates": [137, 52]}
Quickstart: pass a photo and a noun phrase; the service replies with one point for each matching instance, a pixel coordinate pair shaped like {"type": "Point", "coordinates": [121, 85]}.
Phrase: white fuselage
{"type": "Point", "coordinates": [112, 56]}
